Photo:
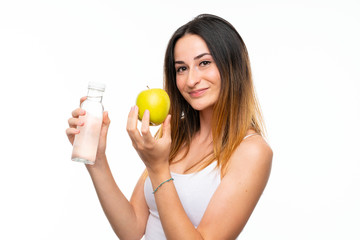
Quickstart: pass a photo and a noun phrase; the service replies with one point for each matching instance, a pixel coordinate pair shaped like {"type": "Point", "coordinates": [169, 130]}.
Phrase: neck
{"type": "Point", "coordinates": [205, 132]}
{"type": "Point", "coordinates": [94, 95]}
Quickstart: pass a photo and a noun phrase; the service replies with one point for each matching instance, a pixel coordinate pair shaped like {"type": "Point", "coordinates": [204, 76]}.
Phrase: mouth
{"type": "Point", "coordinates": [198, 92]}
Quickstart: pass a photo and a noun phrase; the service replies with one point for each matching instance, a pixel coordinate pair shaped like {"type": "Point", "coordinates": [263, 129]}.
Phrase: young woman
{"type": "Point", "coordinates": [209, 163]}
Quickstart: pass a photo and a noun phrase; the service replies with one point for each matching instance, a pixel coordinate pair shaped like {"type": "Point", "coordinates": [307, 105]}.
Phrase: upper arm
{"type": "Point", "coordinates": [239, 190]}
{"type": "Point", "coordinates": [139, 204]}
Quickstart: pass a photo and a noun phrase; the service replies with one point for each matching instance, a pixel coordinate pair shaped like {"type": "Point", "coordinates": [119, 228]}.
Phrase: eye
{"type": "Point", "coordinates": [204, 63]}
{"type": "Point", "coordinates": [181, 69]}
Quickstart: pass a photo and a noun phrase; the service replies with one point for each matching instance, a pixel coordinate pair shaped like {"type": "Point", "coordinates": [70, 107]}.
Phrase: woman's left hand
{"type": "Point", "coordinates": [153, 152]}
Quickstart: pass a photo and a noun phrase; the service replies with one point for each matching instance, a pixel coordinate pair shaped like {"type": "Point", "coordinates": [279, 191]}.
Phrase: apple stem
{"type": "Point", "coordinates": [148, 87]}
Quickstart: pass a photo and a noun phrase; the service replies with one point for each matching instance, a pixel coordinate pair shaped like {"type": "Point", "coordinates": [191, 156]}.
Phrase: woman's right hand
{"type": "Point", "coordinates": [74, 122]}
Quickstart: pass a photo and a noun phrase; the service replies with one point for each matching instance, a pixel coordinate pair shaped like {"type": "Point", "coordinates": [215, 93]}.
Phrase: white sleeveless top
{"type": "Point", "coordinates": [195, 191]}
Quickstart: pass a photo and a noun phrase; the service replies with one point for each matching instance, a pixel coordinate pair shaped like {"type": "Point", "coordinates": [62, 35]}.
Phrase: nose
{"type": "Point", "coordinates": [193, 78]}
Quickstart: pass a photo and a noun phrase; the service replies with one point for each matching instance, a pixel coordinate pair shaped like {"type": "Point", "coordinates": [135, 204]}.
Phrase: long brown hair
{"type": "Point", "coordinates": [237, 109]}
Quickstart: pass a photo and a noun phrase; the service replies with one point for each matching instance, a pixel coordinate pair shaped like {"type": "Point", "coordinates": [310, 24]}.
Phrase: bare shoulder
{"type": "Point", "coordinates": [240, 189]}
{"type": "Point", "coordinates": [256, 147]}
{"type": "Point", "coordinates": [253, 153]}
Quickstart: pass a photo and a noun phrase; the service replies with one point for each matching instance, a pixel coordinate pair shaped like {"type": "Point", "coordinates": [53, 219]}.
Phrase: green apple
{"type": "Point", "coordinates": [155, 100]}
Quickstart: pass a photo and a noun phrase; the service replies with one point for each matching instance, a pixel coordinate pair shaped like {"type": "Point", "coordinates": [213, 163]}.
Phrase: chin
{"type": "Point", "coordinates": [201, 107]}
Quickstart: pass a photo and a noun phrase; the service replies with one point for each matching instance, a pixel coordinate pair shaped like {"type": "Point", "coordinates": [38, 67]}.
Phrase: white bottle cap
{"type": "Point", "coordinates": [97, 86]}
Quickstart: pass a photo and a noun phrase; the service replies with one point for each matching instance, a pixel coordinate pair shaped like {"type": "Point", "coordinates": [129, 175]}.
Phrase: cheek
{"type": "Point", "coordinates": [179, 83]}
{"type": "Point", "coordinates": [215, 76]}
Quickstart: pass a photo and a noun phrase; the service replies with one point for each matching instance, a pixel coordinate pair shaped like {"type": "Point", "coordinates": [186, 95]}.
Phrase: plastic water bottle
{"type": "Point", "coordinates": [86, 142]}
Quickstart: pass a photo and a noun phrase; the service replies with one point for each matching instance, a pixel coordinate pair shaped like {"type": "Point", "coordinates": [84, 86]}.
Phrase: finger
{"type": "Point", "coordinates": [145, 129]}
{"type": "Point", "coordinates": [167, 127]}
{"type": "Point", "coordinates": [131, 125]}
{"type": "Point", "coordinates": [82, 100]}
{"type": "Point", "coordinates": [74, 122]}
{"type": "Point", "coordinates": [71, 132]}
{"type": "Point", "coordinates": [106, 119]}
{"type": "Point", "coordinates": [78, 112]}
{"type": "Point", "coordinates": [105, 124]}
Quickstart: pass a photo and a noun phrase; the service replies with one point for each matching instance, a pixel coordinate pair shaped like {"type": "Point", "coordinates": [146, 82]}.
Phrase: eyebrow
{"type": "Point", "coordinates": [195, 58]}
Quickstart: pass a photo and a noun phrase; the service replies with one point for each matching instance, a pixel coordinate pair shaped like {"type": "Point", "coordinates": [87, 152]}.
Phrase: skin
{"type": "Point", "coordinates": [240, 187]}
{"type": "Point", "coordinates": [127, 218]}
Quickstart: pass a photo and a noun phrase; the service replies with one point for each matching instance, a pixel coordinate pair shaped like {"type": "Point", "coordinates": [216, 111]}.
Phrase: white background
{"type": "Point", "coordinates": [305, 61]}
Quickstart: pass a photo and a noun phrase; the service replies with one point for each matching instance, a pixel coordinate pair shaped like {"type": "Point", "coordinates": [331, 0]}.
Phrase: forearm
{"type": "Point", "coordinates": [175, 222]}
{"type": "Point", "coordinates": [116, 206]}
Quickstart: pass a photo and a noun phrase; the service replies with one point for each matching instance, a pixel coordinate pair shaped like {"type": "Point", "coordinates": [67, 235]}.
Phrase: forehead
{"type": "Point", "coordinates": [190, 46]}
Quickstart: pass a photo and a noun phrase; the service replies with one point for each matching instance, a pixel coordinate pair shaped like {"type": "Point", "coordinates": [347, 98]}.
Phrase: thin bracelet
{"type": "Point", "coordinates": [162, 184]}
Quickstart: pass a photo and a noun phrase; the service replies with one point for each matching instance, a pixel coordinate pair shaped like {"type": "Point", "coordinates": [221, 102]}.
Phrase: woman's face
{"type": "Point", "coordinates": [197, 76]}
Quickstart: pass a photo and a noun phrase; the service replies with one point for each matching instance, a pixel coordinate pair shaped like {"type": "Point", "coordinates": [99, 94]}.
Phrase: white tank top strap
{"type": "Point", "coordinates": [252, 134]}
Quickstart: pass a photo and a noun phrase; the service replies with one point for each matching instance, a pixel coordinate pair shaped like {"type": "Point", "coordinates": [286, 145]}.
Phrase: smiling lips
{"type": "Point", "coordinates": [198, 92]}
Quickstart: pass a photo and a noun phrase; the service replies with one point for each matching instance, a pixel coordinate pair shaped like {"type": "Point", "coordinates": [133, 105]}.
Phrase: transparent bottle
{"type": "Point", "coordinates": [86, 142]}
